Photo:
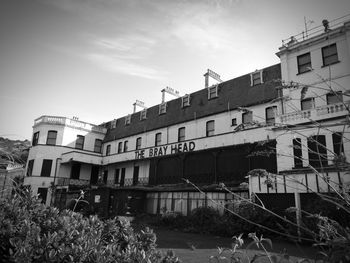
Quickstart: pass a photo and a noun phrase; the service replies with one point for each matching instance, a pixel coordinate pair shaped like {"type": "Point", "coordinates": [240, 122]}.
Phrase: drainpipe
{"type": "Point", "coordinates": [54, 179]}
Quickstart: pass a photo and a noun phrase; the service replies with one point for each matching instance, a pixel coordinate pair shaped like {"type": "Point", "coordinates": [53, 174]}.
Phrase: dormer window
{"type": "Point", "coordinates": [186, 101]}
{"type": "Point", "coordinates": [256, 78]}
{"type": "Point", "coordinates": [113, 124]}
{"type": "Point", "coordinates": [143, 115]}
{"type": "Point", "coordinates": [162, 108]}
{"type": "Point", "coordinates": [128, 120]}
{"type": "Point", "coordinates": [212, 92]}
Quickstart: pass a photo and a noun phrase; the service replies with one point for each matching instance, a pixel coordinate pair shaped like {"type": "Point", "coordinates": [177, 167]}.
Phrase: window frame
{"type": "Point", "coordinates": [329, 56]}
{"type": "Point", "coordinates": [125, 148]}
{"type": "Point", "coordinates": [210, 131]}
{"type": "Point", "coordinates": [338, 95]}
{"type": "Point", "coordinates": [128, 119]}
{"type": "Point", "coordinates": [96, 147]}
{"type": "Point", "coordinates": [49, 138]}
{"type": "Point", "coordinates": [248, 113]}
{"type": "Point", "coordinates": [254, 81]}
{"type": "Point", "coordinates": [302, 105]}
{"type": "Point", "coordinates": [120, 147]}
{"type": "Point", "coordinates": [46, 168]}
{"type": "Point", "coordinates": [162, 108]}
{"type": "Point", "coordinates": [35, 139]}
{"type": "Point", "coordinates": [143, 114]}
{"type": "Point", "coordinates": [108, 150]}
{"type": "Point", "coordinates": [30, 167]}
{"type": "Point", "coordinates": [234, 122]}
{"type": "Point", "coordinates": [158, 139]}
{"type": "Point", "coordinates": [138, 143]}
{"type": "Point", "coordinates": [274, 111]}
{"type": "Point", "coordinates": [305, 66]}
{"type": "Point", "coordinates": [211, 94]}
{"type": "Point", "coordinates": [181, 134]}
{"type": "Point", "coordinates": [185, 101]}
{"type": "Point", "coordinates": [297, 153]}
{"type": "Point", "coordinates": [79, 142]}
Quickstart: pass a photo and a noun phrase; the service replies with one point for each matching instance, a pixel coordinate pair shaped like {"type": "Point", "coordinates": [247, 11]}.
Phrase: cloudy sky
{"type": "Point", "coordinates": [93, 58]}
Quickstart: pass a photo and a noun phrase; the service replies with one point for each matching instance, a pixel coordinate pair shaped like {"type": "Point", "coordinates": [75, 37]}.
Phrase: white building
{"type": "Point", "coordinates": [215, 135]}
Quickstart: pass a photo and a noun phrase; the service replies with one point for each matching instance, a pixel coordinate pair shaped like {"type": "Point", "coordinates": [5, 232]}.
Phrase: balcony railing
{"type": "Point", "coordinates": [56, 120]}
{"type": "Point", "coordinates": [322, 112]}
{"type": "Point", "coordinates": [142, 181]}
{"type": "Point", "coordinates": [71, 182]}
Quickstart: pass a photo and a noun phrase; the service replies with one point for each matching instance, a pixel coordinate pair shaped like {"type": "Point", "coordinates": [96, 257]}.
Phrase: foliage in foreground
{"type": "Point", "coordinates": [32, 232]}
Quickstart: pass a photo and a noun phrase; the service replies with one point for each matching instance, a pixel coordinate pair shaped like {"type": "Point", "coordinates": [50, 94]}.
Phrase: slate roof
{"type": "Point", "coordinates": [233, 93]}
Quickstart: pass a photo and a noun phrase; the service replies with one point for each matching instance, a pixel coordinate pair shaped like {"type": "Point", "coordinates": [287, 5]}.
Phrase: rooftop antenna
{"type": "Point", "coordinates": [139, 103]}
{"type": "Point", "coordinates": [171, 91]}
{"type": "Point", "coordinates": [306, 24]}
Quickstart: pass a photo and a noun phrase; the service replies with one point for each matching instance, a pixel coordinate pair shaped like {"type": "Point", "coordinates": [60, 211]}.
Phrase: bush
{"type": "Point", "coordinates": [32, 232]}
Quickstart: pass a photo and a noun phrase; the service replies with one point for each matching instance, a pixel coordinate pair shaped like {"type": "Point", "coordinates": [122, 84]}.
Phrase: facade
{"type": "Point", "coordinates": [10, 177]}
{"type": "Point", "coordinates": [140, 162]}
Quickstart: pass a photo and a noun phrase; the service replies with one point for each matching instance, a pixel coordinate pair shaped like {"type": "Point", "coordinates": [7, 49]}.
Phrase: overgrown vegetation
{"type": "Point", "coordinates": [33, 232]}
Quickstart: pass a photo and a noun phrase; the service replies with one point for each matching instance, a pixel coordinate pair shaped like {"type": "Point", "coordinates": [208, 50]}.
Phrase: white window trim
{"type": "Point", "coordinates": [216, 91]}
{"type": "Point", "coordinates": [143, 114]}
{"type": "Point", "coordinates": [261, 77]}
{"type": "Point", "coordinates": [162, 106]}
{"type": "Point", "coordinates": [114, 124]}
{"type": "Point", "coordinates": [188, 101]}
{"type": "Point", "coordinates": [128, 119]}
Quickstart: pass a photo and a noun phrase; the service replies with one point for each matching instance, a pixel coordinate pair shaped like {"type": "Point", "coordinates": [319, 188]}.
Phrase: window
{"type": "Point", "coordinates": [186, 101]}
{"type": "Point", "coordinates": [35, 139]}
{"type": "Point", "coordinates": [113, 124]}
{"type": "Point", "coordinates": [234, 122]}
{"type": "Point", "coordinates": [297, 152]}
{"type": "Point", "coordinates": [79, 143]}
{"type": "Point", "coordinates": [51, 138]}
{"type": "Point", "coordinates": [128, 120]}
{"type": "Point", "coordinates": [317, 151]}
{"type": "Point", "coordinates": [122, 177]}
{"type": "Point", "coordinates": [335, 97]}
{"type": "Point", "coordinates": [143, 114]}
{"type": "Point", "coordinates": [304, 63]}
{"type": "Point", "coordinates": [247, 117]}
{"type": "Point", "coordinates": [75, 171]}
{"type": "Point", "coordinates": [338, 146]}
{"type": "Point", "coordinates": [210, 128]}
{"type": "Point", "coordinates": [256, 78]}
{"type": "Point", "coordinates": [181, 134]}
{"type": "Point", "coordinates": [162, 108]}
{"type": "Point", "coordinates": [138, 143]}
{"type": "Point", "coordinates": [108, 150]}
{"type": "Point", "coordinates": [270, 115]}
{"type": "Point", "coordinates": [212, 92]}
{"type": "Point", "coordinates": [116, 176]}
{"type": "Point", "coordinates": [98, 146]}
{"type": "Point", "coordinates": [46, 168]}
{"type": "Point", "coordinates": [125, 146]}
{"type": "Point", "coordinates": [330, 55]}
{"type": "Point", "coordinates": [158, 139]}
{"type": "Point", "coordinates": [120, 147]}
{"type": "Point", "coordinates": [30, 167]}
{"type": "Point", "coordinates": [307, 104]}
{"type": "Point", "coordinates": [42, 193]}
{"type": "Point", "coordinates": [105, 176]}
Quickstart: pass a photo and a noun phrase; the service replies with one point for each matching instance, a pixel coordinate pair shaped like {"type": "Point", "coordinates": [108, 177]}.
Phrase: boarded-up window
{"type": "Point", "coordinates": [247, 117]}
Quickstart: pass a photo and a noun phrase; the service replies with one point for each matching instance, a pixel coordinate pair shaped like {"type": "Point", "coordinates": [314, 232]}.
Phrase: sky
{"type": "Point", "coordinates": [94, 58]}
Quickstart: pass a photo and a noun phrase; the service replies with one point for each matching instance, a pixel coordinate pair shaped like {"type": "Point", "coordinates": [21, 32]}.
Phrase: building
{"type": "Point", "coordinates": [139, 163]}
{"type": "Point", "coordinates": [10, 178]}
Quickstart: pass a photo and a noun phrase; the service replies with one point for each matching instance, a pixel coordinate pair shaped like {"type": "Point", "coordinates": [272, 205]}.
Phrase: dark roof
{"type": "Point", "coordinates": [231, 94]}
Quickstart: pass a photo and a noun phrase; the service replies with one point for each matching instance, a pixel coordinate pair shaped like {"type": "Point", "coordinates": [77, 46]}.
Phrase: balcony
{"type": "Point", "coordinates": [142, 181]}
{"type": "Point", "coordinates": [316, 114]}
{"type": "Point", "coordinates": [81, 157]}
{"type": "Point", "coordinates": [60, 181]}
{"type": "Point", "coordinates": [74, 123]}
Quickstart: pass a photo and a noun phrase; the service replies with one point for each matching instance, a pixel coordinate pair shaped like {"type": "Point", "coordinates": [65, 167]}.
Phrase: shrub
{"type": "Point", "coordinates": [32, 232]}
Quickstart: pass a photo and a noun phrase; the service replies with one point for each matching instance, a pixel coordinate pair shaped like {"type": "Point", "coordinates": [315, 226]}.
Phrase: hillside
{"type": "Point", "coordinates": [13, 151]}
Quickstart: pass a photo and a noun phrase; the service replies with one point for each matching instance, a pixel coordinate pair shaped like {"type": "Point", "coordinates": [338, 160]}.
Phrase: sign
{"type": "Point", "coordinates": [140, 104]}
{"type": "Point", "coordinates": [166, 150]}
{"type": "Point", "coordinates": [214, 75]}
{"type": "Point", "coordinates": [172, 91]}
